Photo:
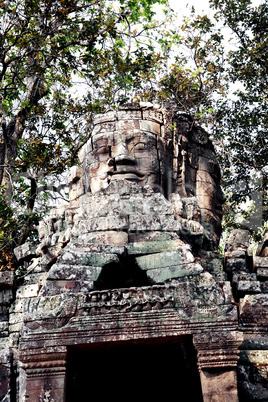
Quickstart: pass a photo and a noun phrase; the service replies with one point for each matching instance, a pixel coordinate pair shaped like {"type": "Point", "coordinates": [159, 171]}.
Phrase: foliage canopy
{"type": "Point", "coordinates": [62, 61]}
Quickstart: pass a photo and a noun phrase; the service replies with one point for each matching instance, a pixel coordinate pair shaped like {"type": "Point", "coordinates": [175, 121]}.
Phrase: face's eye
{"type": "Point", "coordinates": [139, 146]}
{"type": "Point", "coordinates": [102, 150]}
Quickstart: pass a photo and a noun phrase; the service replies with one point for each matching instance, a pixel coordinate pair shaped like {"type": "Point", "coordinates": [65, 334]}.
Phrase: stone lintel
{"type": "Point", "coordinates": [122, 326]}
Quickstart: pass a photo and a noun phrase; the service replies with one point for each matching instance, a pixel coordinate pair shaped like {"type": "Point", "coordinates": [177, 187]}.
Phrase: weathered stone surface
{"type": "Point", "coordinates": [74, 272]}
{"type": "Point", "coordinates": [150, 247]}
{"type": "Point", "coordinates": [54, 287]}
{"type": "Point", "coordinates": [97, 248]}
{"type": "Point", "coordinates": [3, 313]}
{"type": "Point", "coordinates": [5, 374]}
{"type": "Point", "coordinates": [110, 237]}
{"type": "Point", "coordinates": [6, 297]}
{"type": "Point", "coordinates": [35, 278]}
{"type": "Point", "coordinates": [249, 286]}
{"type": "Point", "coordinates": [6, 279]}
{"type": "Point", "coordinates": [60, 306]}
{"type": "Point", "coordinates": [104, 223]}
{"type": "Point", "coordinates": [252, 375]}
{"type": "Point", "coordinates": [28, 291]}
{"type": "Point", "coordinates": [25, 252]}
{"type": "Point", "coordinates": [238, 240]}
{"type": "Point", "coordinates": [235, 264]}
{"type": "Point", "coordinates": [262, 250]}
{"type": "Point", "coordinates": [74, 257]}
{"type": "Point", "coordinates": [127, 259]}
{"type": "Point", "coordinates": [160, 275]}
{"type": "Point", "coordinates": [165, 259]}
{"type": "Point", "coordinates": [260, 262]}
{"type": "Point", "coordinates": [74, 175]}
{"type": "Point", "coordinates": [244, 277]}
{"type": "Point", "coordinates": [254, 312]}
{"type": "Point", "coordinates": [262, 273]}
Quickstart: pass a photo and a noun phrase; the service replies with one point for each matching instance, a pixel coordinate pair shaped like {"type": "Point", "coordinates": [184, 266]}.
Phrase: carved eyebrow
{"type": "Point", "coordinates": [103, 149]}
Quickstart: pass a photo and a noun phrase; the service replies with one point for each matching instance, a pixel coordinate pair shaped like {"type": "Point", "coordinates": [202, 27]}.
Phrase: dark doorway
{"type": "Point", "coordinates": [148, 372]}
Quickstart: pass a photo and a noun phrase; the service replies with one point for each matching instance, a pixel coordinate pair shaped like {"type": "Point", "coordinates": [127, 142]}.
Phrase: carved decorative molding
{"type": "Point", "coordinates": [50, 360]}
{"type": "Point", "coordinates": [217, 349]}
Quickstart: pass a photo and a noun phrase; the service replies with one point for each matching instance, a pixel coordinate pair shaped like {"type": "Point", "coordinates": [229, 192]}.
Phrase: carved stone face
{"type": "Point", "coordinates": [129, 156]}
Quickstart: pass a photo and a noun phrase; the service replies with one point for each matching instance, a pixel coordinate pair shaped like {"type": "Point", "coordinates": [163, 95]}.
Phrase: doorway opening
{"type": "Point", "coordinates": [134, 370]}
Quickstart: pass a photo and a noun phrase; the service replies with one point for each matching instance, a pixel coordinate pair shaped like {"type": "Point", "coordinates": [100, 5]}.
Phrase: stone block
{"type": "Point", "coordinates": [165, 259]}
{"type": "Point", "coordinates": [244, 277]}
{"type": "Point", "coordinates": [151, 247]}
{"type": "Point", "coordinates": [152, 127]}
{"type": "Point", "coordinates": [153, 114]}
{"type": "Point", "coordinates": [3, 313]}
{"type": "Point", "coordinates": [235, 264]}
{"type": "Point", "coordinates": [264, 287]}
{"type": "Point", "coordinates": [4, 343]}
{"type": "Point", "coordinates": [36, 278]}
{"type": "Point", "coordinates": [15, 318]}
{"type": "Point", "coordinates": [126, 126]}
{"type": "Point", "coordinates": [17, 306]}
{"type": "Point", "coordinates": [6, 279]}
{"type": "Point", "coordinates": [260, 262]}
{"type": "Point", "coordinates": [254, 311]}
{"type": "Point", "coordinates": [102, 118]}
{"type": "Point", "coordinates": [73, 257]}
{"type": "Point", "coordinates": [168, 223]}
{"type": "Point", "coordinates": [109, 237]}
{"type": "Point", "coordinates": [26, 251]}
{"type": "Point", "coordinates": [58, 287]}
{"type": "Point", "coordinates": [138, 237]}
{"type": "Point", "coordinates": [205, 178]}
{"type": "Point", "coordinates": [6, 296]}
{"type": "Point", "coordinates": [74, 272]}
{"type": "Point", "coordinates": [160, 275]}
{"type": "Point", "coordinates": [214, 265]}
{"type": "Point", "coordinates": [28, 291]}
{"type": "Point", "coordinates": [144, 222]}
{"type": "Point", "coordinates": [57, 306]}
{"type": "Point", "coordinates": [262, 273]}
{"type": "Point", "coordinates": [5, 374]}
{"type": "Point", "coordinates": [238, 240]}
{"type": "Point", "coordinates": [97, 248]}
{"type": "Point", "coordinates": [249, 287]}
{"type": "Point", "coordinates": [104, 128]}
{"type": "Point", "coordinates": [74, 175]}
{"type": "Point", "coordinates": [104, 223]}
{"type": "Point", "coordinates": [15, 327]}
{"type": "Point", "coordinates": [219, 385]}
{"type": "Point", "coordinates": [132, 114]}
{"type": "Point", "coordinates": [3, 328]}
{"type": "Point", "coordinates": [236, 254]}
{"type": "Point", "coordinates": [262, 250]}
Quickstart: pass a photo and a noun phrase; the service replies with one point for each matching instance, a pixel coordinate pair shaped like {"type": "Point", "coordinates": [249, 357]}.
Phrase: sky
{"type": "Point", "coordinates": [199, 5]}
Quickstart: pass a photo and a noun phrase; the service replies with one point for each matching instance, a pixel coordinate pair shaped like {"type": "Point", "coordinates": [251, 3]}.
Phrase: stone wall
{"type": "Point", "coordinates": [249, 278]}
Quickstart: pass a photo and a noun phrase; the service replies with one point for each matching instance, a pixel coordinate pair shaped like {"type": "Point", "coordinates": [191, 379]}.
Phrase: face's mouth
{"type": "Point", "coordinates": [126, 173]}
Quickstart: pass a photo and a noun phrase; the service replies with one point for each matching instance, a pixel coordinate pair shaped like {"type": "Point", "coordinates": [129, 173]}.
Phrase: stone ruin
{"type": "Point", "coordinates": [126, 293]}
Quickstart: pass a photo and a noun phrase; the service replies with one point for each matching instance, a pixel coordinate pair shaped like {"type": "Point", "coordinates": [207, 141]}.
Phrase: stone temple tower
{"type": "Point", "coordinates": [126, 294]}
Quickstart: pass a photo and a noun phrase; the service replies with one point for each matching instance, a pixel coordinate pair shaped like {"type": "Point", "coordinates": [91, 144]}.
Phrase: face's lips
{"type": "Point", "coordinates": [127, 173]}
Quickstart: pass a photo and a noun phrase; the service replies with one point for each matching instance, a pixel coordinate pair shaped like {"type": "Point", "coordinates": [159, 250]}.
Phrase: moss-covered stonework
{"type": "Point", "coordinates": [133, 259]}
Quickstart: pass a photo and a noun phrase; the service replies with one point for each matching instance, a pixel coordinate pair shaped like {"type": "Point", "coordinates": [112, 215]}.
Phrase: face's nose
{"type": "Point", "coordinates": [121, 154]}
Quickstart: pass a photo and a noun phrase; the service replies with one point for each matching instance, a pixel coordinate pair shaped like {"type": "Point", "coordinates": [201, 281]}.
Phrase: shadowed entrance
{"type": "Point", "coordinates": [153, 371]}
